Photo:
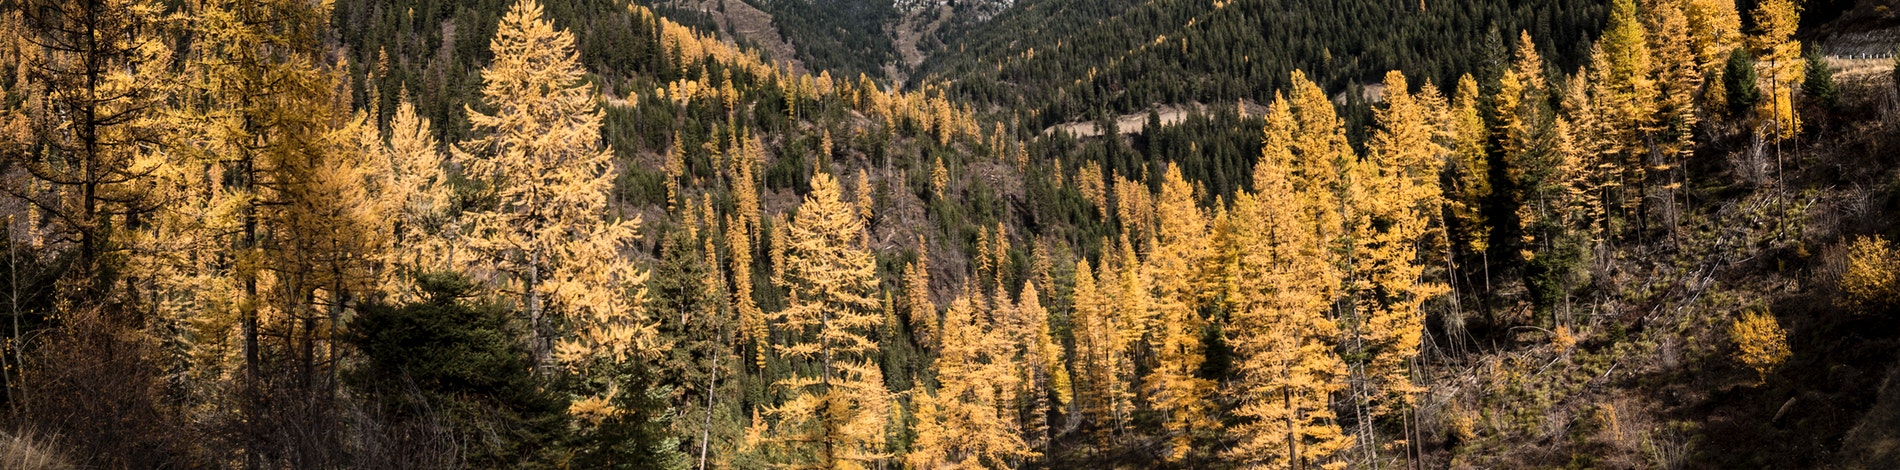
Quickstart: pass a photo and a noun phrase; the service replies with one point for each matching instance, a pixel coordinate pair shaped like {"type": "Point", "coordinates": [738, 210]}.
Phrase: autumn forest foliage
{"type": "Point", "coordinates": [421, 234]}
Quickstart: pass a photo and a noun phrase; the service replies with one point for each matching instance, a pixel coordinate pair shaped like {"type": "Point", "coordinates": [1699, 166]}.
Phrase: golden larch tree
{"type": "Point", "coordinates": [419, 196]}
{"type": "Point", "coordinates": [1679, 78]}
{"type": "Point", "coordinates": [93, 81]}
{"type": "Point", "coordinates": [1047, 378]}
{"type": "Point", "coordinates": [1872, 277]}
{"type": "Point", "coordinates": [924, 320]}
{"type": "Point", "coordinates": [1397, 208]}
{"type": "Point", "coordinates": [1288, 368]}
{"type": "Point", "coordinates": [1304, 128]}
{"type": "Point", "coordinates": [1760, 343]}
{"type": "Point", "coordinates": [1098, 353]}
{"type": "Point", "coordinates": [835, 418]}
{"type": "Point", "coordinates": [1469, 168]}
{"type": "Point", "coordinates": [1715, 29]}
{"type": "Point", "coordinates": [548, 240]}
{"type": "Point", "coordinates": [1175, 388]}
{"type": "Point", "coordinates": [260, 110]}
{"type": "Point", "coordinates": [1774, 43]}
{"type": "Point", "coordinates": [969, 421]}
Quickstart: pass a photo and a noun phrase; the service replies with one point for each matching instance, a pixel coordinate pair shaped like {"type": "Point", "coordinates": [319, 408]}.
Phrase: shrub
{"type": "Point", "coordinates": [1870, 279]}
{"type": "Point", "coordinates": [1760, 343]}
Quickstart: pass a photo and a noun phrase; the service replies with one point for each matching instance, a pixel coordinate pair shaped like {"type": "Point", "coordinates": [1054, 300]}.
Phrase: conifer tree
{"type": "Point", "coordinates": [93, 97]}
{"type": "Point", "coordinates": [1739, 81]}
{"type": "Point", "coordinates": [739, 262]}
{"type": "Point", "coordinates": [1679, 78]}
{"type": "Point", "coordinates": [418, 193]}
{"type": "Point", "coordinates": [1760, 343]}
{"type": "Point", "coordinates": [1775, 24]}
{"type": "Point", "coordinates": [1399, 207]}
{"type": "Point", "coordinates": [1288, 369]}
{"type": "Point", "coordinates": [1320, 152]}
{"type": "Point", "coordinates": [262, 239]}
{"type": "Point", "coordinates": [966, 423]}
{"type": "Point", "coordinates": [692, 316]}
{"type": "Point", "coordinates": [1470, 170]}
{"type": "Point", "coordinates": [1524, 130]}
{"type": "Point", "coordinates": [1098, 352]}
{"type": "Point", "coordinates": [1048, 378]}
{"type": "Point", "coordinates": [1715, 28]}
{"type": "Point", "coordinates": [1624, 67]}
{"type": "Point", "coordinates": [1872, 277]}
{"type": "Point", "coordinates": [922, 312]}
{"type": "Point", "coordinates": [548, 237]}
{"type": "Point", "coordinates": [1819, 85]}
{"type": "Point", "coordinates": [837, 407]}
{"type": "Point", "coordinates": [1133, 303]}
{"type": "Point", "coordinates": [1176, 389]}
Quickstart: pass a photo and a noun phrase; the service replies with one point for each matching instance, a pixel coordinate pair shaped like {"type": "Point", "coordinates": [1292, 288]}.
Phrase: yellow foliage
{"type": "Point", "coordinates": [1561, 340]}
{"type": "Point", "coordinates": [1469, 166]}
{"type": "Point", "coordinates": [837, 409]}
{"type": "Point", "coordinates": [549, 241]}
{"type": "Point", "coordinates": [1100, 359]}
{"type": "Point", "coordinates": [923, 313]}
{"type": "Point", "coordinates": [1176, 389]}
{"type": "Point", "coordinates": [1395, 200]}
{"type": "Point", "coordinates": [1715, 28]}
{"type": "Point", "coordinates": [1289, 369]}
{"type": "Point", "coordinates": [1872, 278]}
{"type": "Point", "coordinates": [1760, 343]}
{"type": "Point", "coordinates": [1775, 24]}
{"type": "Point", "coordinates": [416, 192]}
{"type": "Point", "coordinates": [969, 422]}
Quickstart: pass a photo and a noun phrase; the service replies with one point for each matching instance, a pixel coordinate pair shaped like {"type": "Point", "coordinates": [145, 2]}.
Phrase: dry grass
{"type": "Point", "coordinates": [25, 451]}
{"type": "Point", "coordinates": [1860, 69]}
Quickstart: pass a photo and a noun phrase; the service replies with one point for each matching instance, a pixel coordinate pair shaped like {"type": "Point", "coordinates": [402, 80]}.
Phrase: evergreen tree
{"type": "Point", "coordinates": [1048, 384]}
{"type": "Point", "coordinates": [1819, 85]}
{"type": "Point", "coordinates": [1740, 81]}
{"type": "Point", "coordinates": [700, 368]}
{"type": "Point", "coordinates": [480, 383]}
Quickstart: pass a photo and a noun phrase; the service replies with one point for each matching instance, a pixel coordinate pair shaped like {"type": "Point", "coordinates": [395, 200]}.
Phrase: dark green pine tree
{"type": "Point", "coordinates": [700, 369]}
{"type": "Point", "coordinates": [1740, 81]}
{"type": "Point", "coordinates": [1819, 85]}
{"type": "Point", "coordinates": [448, 371]}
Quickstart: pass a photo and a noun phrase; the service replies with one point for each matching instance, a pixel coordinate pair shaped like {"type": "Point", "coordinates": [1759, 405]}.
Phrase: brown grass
{"type": "Point", "coordinates": [26, 451]}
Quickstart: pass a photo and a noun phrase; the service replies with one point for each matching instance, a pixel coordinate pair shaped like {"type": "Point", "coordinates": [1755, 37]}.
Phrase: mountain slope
{"type": "Point", "coordinates": [1057, 60]}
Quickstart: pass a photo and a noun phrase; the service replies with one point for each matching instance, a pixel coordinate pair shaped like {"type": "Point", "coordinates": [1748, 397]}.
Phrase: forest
{"type": "Point", "coordinates": [420, 234]}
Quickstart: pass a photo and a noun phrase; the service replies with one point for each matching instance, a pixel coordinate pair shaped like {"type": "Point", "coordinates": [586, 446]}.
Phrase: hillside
{"type": "Point", "coordinates": [611, 234]}
{"type": "Point", "coordinates": [1059, 60]}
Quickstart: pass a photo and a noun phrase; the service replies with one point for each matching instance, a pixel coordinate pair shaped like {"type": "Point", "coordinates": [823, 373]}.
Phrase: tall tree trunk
{"type": "Point", "coordinates": [538, 334]}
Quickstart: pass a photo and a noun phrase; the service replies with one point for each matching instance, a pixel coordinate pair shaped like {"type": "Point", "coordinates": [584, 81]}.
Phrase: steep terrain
{"type": "Point", "coordinates": [1057, 60]}
{"type": "Point", "coordinates": [1083, 234]}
